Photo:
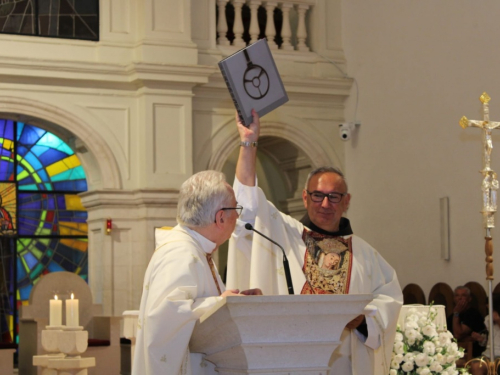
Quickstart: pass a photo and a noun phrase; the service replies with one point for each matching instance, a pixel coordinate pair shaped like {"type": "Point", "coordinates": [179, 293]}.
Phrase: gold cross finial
{"type": "Point", "coordinates": [484, 98]}
{"type": "Point", "coordinates": [464, 122]}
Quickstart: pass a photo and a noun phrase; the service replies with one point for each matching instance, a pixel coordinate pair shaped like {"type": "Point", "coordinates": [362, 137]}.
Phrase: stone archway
{"type": "Point", "coordinates": [97, 158]}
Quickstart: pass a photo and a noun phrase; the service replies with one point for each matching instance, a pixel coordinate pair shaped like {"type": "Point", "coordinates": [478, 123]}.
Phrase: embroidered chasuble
{"type": "Point", "coordinates": [181, 283]}
{"type": "Point", "coordinates": [320, 263]}
{"type": "Point", "coordinates": [327, 264]}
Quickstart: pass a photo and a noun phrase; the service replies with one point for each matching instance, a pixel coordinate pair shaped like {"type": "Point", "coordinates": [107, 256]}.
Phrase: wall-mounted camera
{"type": "Point", "coordinates": [346, 130]}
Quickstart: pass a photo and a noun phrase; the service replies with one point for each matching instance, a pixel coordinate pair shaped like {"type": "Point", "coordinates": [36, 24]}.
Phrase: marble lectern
{"type": "Point", "coordinates": [276, 334]}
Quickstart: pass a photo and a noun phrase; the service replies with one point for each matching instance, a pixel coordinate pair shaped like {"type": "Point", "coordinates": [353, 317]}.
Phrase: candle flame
{"type": "Point", "coordinates": [55, 297]}
{"type": "Point", "coordinates": [72, 296]}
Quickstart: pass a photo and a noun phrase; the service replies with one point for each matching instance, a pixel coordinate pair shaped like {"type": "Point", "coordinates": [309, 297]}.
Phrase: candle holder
{"type": "Point", "coordinates": [73, 341]}
{"type": "Point", "coordinates": [50, 339]}
{"type": "Point", "coordinates": [65, 347]}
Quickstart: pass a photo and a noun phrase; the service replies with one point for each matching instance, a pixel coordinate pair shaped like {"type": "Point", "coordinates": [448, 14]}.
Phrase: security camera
{"type": "Point", "coordinates": [345, 131]}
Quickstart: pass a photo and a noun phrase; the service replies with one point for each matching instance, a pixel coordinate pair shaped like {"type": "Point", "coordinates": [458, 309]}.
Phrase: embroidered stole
{"type": "Point", "coordinates": [214, 272]}
{"type": "Point", "coordinates": [327, 264]}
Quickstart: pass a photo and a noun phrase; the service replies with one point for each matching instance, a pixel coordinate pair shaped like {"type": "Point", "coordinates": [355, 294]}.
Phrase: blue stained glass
{"type": "Point", "coordinates": [77, 185]}
{"type": "Point", "coordinates": [6, 170]}
{"type": "Point", "coordinates": [55, 142]}
{"type": "Point", "coordinates": [33, 160]}
{"type": "Point", "coordinates": [21, 150]}
{"type": "Point", "coordinates": [21, 272]}
{"type": "Point", "coordinates": [28, 134]}
{"type": "Point", "coordinates": [7, 129]}
{"type": "Point", "coordinates": [43, 175]}
{"type": "Point", "coordinates": [40, 246]}
{"type": "Point", "coordinates": [61, 201]}
{"type": "Point", "coordinates": [66, 175]}
{"type": "Point", "coordinates": [30, 260]}
{"type": "Point", "coordinates": [28, 187]}
{"type": "Point", "coordinates": [38, 150]}
{"type": "Point", "coordinates": [54, 267]}
{"type": "Point", "coordinates": [36, 271]}
{"type": "Point", "coordinates": [24, 293]}
{"type": "Point", "coordinates": [51, 156]}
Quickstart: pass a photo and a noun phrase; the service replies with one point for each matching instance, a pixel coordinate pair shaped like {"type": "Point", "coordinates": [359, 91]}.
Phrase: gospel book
{"type": "Point", "coordinates": [253, 81]}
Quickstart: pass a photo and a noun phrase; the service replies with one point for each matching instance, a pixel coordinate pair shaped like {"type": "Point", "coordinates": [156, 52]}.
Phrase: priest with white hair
{"type": "Point", "coordinates": [181, 281]}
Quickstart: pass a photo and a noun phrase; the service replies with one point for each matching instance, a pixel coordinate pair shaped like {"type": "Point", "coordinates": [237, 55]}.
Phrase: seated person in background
{"type": "Point", "coordinates": [181, 281]}
{"type": "Point", "coordinates": [466, 320]}
{"type": "Point", "coordinates": [478, 368]}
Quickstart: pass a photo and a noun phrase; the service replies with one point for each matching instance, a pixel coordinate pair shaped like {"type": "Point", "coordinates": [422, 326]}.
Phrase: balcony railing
{"type": "Point", "coordinates": [283, 23]}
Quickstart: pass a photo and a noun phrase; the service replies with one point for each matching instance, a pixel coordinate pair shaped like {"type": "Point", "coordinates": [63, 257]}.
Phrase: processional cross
{"type": "Point", "coordinates": [489, 187]}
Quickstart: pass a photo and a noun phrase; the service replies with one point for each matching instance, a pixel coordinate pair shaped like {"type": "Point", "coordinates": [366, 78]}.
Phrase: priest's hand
{"type": "Point", "coordinates": [252, 292]}
{"type": "Point", "coordinates": [353, 324]}
{"type": "Point", "coordinates": [250, 133]}
{"type": "Point", "coordinates": [231, 292]}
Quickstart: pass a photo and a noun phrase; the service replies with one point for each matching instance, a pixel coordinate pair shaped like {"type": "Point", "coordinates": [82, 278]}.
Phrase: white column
{"type": "Point", "coordinates": [238, 24]}
{"type": "Point", "coordinates": [270, 28]}
{"type": "Point", "coordinates": [301, 29]}
{"type": "Point", "coordinates": [286, 31]}
{"type": "Point", "coordinates": [254, 22]}
{"type": "Point", "coordinates": [222, 23]}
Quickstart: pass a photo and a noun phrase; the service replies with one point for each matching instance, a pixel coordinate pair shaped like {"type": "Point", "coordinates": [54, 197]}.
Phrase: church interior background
{"type": "Point", "coordinates": [107, 106]}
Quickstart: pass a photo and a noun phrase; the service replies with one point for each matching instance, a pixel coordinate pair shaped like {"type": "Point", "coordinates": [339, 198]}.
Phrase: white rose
{"type": "Point", "coordinates": [423, 321]}
{"type": "Point", "coordinates": [409, 357]}
{"type": "Point", "coordinates": [394, 364]}
{"type": "Point", "coordinates": [411, 325]}
{"type": "Point", "coordinates": [429, 347]}
{"type": "Point", "coordinates": [436, 367]}
{"type": "Point", "coordinates": [393, 372]}
{"type": "Point", "coordinates": [441, 359]}
{"type": "Point", "coordinates": [450, 359]}
{"type": "Point", "coordinates": [429, 331]}
{"type": "Point", "coordinates": [407, 366]}
{"type": "Point", "coordinates": [398, 358]}
{"type": "Point", "coordinates": [411, 341]}
{"type": "Point", "coordinates": [411, 334]}
{"type": "Point", "coordinates": [444, 339]}
{"type": "Point", "coordinates": [399, 347]}
{"type": "Point", "coordinates": [425, 371]}
{"type": "Point", "coordinates": [421, 359]}
{"type": "Point", "coordinates": [399, 337]}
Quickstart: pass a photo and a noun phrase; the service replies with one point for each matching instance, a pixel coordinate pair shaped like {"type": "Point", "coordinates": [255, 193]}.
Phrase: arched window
{"type": "Point", "coordinates": [43, 225]}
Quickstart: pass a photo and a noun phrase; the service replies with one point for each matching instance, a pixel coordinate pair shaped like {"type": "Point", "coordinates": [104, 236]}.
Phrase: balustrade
{"type": "Point", "coordinates": [283, 23]}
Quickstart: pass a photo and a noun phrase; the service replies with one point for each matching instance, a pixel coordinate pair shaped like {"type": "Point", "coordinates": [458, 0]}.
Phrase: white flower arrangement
{"type": "Point", "coordinates": [420, 349]}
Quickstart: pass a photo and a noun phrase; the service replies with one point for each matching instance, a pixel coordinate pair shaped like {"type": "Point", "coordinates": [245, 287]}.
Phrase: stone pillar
{"type": "Point", "coordinates": [118, 261]}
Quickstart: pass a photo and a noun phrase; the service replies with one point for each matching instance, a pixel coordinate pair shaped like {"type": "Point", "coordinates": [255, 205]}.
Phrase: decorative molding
{"type": "Point", "coordinates": [129, 198]}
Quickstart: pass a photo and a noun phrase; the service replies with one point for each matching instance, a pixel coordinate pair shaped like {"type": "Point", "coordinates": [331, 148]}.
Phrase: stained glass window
{"type": "Point", "coordinates": [43, 225]}
{"type": "Point", "coordinates": [75, 19]}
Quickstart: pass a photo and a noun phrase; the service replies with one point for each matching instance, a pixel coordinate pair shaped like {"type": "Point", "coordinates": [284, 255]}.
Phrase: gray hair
{"type": "Point", "coordinates": [200, 197]}
{"type": "Point", "coordinates": [464, 288]}
{"type": "Point", "coordinates": [325, 170]}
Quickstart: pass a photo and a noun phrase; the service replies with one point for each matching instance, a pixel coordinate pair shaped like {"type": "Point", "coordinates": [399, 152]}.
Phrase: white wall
{"type": "Point", "coordinates": [421, 66]}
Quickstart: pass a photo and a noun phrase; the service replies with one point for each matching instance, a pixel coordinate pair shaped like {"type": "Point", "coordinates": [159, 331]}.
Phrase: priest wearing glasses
{"type": "Point", "coordinates": [181, 281]}
{"type": "Point", "coordinates": [325, 257]}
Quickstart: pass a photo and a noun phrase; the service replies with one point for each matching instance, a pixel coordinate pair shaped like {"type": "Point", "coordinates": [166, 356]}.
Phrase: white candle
{"type": "Point", "coordinates": [55, 312]}
{"type": "Point", "coordinates": [72, 312]}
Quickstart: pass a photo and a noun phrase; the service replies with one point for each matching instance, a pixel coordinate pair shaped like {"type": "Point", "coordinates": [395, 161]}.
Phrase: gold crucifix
{"type": "Point", "coordinates": [489, 187]}
{"type": "Point", "coordinates": [490, 184]}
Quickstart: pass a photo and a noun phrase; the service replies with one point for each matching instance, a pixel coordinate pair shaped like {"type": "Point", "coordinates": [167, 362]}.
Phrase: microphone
{"type": "Point", "coordinates": [288, 276]}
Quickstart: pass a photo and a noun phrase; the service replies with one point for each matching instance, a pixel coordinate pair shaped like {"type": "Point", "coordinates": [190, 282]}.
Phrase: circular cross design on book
{"type": "Point", "coordinates": [256, 81]}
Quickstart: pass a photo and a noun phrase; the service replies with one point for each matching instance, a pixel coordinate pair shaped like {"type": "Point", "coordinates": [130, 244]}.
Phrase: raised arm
{"type": "Point", "coordinates": [245, 169]}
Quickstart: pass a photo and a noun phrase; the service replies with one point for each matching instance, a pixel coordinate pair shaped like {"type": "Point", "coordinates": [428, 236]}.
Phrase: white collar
{"type": "Point", "coordinates": [207, 245]}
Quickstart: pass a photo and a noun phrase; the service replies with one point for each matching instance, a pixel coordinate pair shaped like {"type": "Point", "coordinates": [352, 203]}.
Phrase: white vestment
{"type": "Point", "coordinates": [178, 288]}
{"type": "Point", "coordinates": [254, 262]}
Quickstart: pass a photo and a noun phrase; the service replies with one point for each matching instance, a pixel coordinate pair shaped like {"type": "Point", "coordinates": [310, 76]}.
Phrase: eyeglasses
{"type": "Point", "coordinates": [237, 208]}
{"type": "Point", "coordinates": [318, 196]}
